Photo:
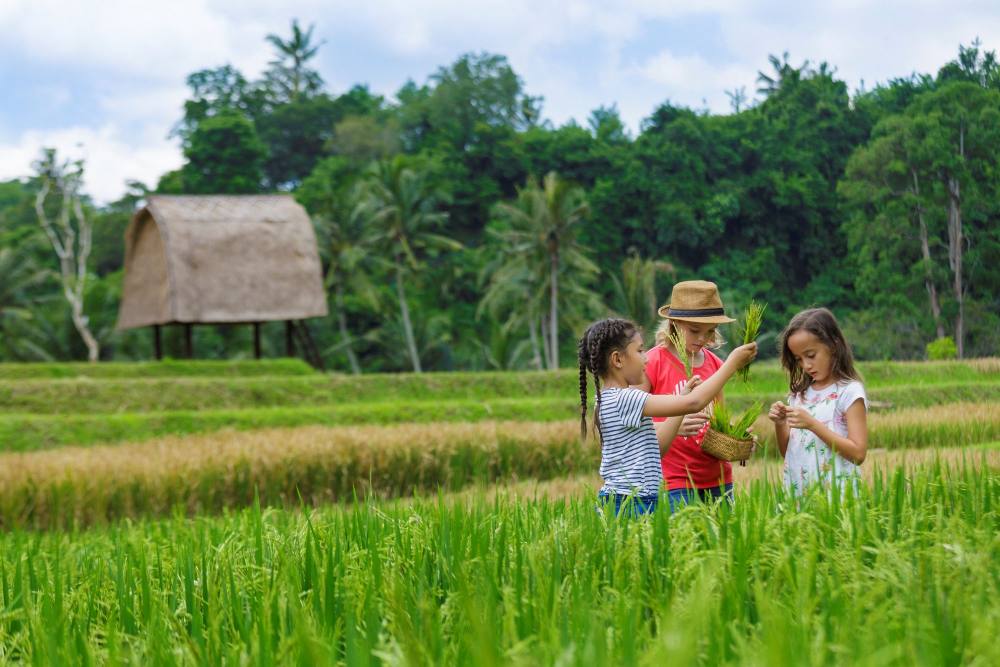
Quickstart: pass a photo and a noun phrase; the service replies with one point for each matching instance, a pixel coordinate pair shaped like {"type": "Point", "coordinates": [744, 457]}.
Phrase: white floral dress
{"type": "Point", "coordinates": [809, 460]}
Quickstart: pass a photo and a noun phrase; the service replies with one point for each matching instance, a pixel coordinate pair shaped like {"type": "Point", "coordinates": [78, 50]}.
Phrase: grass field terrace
{"type": "Point", "coordinates": [240, 513]}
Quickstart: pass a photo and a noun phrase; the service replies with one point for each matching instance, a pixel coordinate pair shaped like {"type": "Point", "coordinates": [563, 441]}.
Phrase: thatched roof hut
{"type": "Point", "coordinates": [220, 259]}
{"type": "Point", "coordinates": [215, 259]}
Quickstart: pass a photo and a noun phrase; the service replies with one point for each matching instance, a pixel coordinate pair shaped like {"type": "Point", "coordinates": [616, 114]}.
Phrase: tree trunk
{"type": "Point", "coordinates": [926, 252]}
{"type": "Point", "coordinates": [554, 310]}
{"type": "Point", "coordinates": [404, 309]}
{"type": "Point", "coordinates": [72, 255]}
{"type": "Point", "coordinates": [546, 348]}
{"type": "Point", "coordinates": [533, 335]}
{"type": "Point", "coordinates": [955, 241]}
{"type": "Point", "coordinates": [344, 334]}
{"type": "Point", "coordinates": [80, 322]}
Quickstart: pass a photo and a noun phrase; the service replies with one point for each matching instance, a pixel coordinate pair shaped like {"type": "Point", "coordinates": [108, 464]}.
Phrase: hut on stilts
{"type": "Point", "coordinates": [222, 259]}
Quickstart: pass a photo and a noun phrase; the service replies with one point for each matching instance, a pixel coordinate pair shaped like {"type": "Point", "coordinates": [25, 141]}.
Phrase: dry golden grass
{"type": "Point", "coordinates": [986, 364]}
{"type": "Point", "coordinates": [320, 464]}
{"type": "Point", "coordinates": [82, 485]}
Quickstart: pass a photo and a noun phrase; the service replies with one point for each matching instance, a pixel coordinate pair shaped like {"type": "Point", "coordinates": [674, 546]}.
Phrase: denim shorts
{"type": "Point", "coordinates": [680, 497]}
{"type": "Point", "coordinates": [633, 505]}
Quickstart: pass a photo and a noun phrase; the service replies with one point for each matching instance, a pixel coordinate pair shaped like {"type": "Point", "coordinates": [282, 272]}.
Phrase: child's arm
{"type": "Point", "coordinates": [854, 447]}
{"type": "Point", "coordinates": [777, 414]}
{"type": "Point", "coordinates": [674, 406]}
{"type": "Point", "coordinates": [668, 430]}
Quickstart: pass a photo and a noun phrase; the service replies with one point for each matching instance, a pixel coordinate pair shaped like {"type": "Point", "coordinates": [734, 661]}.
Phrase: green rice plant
{"type": "Point", "coordinates": [735, 426]}
{"type": "Point", "coordinates": [749, 329]}
{"type": "Point", "coordinates": [233, 389]}
{"type": "Point", "coordinates": [938, 426]}
{"type": "Point", "coordinates": [147, 369]}
{"type": "Point", "coordinates": [902, 572]}
{"type": "Point", "coordinates": [20, 432]}
{"type": "Point", "coordinates": [27, 432]}
{"type": "Point", "coordinates": [679, 342]}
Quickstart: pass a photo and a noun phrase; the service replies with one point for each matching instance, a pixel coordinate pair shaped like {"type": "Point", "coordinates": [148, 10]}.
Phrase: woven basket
{"type": "Point", "coordinates": [726, 447]}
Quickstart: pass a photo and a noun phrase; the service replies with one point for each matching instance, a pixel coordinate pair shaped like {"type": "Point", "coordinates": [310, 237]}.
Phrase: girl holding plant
{"type": "Point", "coordinates": [823, 429]}
{"type": "Point", "coordinates": [683, 351]}
{"type": "Point", "coordinates": [612, 352]}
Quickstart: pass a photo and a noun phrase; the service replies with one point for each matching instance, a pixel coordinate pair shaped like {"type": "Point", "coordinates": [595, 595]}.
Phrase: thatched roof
{"type": "Point", "coordinates": [218, 259]}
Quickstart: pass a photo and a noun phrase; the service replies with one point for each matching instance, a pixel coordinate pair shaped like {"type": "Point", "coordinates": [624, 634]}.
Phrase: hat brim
{"type": "Point", "coordinates": [664, 311]}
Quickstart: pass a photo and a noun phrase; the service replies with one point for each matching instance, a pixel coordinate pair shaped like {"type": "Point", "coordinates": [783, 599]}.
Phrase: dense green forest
{"type": "Point", "coordinates": [459, 229]}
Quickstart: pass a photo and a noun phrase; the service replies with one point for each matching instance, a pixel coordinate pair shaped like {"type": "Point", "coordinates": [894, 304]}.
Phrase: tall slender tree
{"type": "Point", "coordinates": [634, 289]}
{"type": "Point", "coordinates": [348, 245]}
{"type": "Point", "coordinates": [403, 211]}
{"type": "Point", "coordinates": [70, 233]}
{"type": "Point", "coordinates": [539, 234]}
{"type": "Point", "coordinates": [289, 74]}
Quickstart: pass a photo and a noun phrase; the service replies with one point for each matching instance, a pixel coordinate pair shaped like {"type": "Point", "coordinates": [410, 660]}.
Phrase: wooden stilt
{"type": "Point", "coordinates": [289, 339]}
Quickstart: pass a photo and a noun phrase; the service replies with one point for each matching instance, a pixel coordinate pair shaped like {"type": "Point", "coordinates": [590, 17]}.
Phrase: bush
{"type": "Point", "coordinates": [942, 349]}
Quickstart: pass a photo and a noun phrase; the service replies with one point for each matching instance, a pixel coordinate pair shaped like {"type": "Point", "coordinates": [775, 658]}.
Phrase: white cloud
{"type": "Point", "coordinates": [135, 55]}
{"type": "Point", "coordinates": [150, 40]}
{"type": "Point", "coordinates": [111, 158]}
{"type": "Point", "coordinates": [692, 80]}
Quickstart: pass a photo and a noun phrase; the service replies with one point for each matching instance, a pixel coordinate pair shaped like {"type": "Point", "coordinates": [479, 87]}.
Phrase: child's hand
{"type": "Point", "coordinates": [743, 355]}
{"type": "Point", "coordinates": [692, 382]}
{"type": "Point", "coordinates": [778, 412]}
{"type": "Point", "coordinates": [692, 424]}
{"type": "Point", "coordinates": [799, 418]}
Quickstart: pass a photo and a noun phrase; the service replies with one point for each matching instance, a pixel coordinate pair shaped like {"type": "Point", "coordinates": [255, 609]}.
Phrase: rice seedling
{"type": "Point", "coordinates": [736, 426]}
{"type": "Point", "coordinates": [679, 343]}
{"type": "Point", "coordinates": [903, 572]}
{"type": "Point", "coordinates": [749, 329]}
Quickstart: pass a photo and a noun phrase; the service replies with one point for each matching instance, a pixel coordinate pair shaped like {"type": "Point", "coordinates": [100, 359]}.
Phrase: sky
{"type": "Point", "coordinates": [104, 79]}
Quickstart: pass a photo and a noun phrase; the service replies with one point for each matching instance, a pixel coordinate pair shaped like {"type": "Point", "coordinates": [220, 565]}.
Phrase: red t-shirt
{"type": "Point", "coordinates": [684, 462]}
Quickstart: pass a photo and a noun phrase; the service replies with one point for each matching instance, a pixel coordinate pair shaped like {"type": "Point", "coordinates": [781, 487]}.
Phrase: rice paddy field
{"type": "Point", "coordinates": [262, 514]}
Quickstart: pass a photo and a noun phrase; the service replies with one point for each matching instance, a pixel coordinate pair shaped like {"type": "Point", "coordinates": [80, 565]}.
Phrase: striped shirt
{"type": "Point", "coordinates": [630, 452]}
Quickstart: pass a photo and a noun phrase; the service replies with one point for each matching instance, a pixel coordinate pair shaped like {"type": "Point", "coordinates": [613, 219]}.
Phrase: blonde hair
{"type": "Point", "coordinates": [666, 328]}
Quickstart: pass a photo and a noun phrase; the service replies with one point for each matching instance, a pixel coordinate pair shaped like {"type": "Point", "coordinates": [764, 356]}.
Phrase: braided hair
{"type": "Point", "coordinates": [596, 345]}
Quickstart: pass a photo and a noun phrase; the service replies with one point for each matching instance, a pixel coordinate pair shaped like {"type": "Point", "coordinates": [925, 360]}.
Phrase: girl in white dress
{"type": "Point", "coordinates": [822, 430]}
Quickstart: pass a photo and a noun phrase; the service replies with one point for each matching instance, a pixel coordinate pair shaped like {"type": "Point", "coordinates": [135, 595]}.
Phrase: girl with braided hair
{"type": "Point", "coordinates": [612, 351]}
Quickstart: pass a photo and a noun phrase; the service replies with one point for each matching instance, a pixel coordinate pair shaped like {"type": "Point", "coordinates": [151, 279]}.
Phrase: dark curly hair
{"type": "Point", "coordinates": [596, 345]}
{"type": "Point", "coordinates": [821, 323]}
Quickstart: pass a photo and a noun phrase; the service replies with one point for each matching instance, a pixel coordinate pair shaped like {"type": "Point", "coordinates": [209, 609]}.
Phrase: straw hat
{"type": "Point", "coordinates": [695, 301]}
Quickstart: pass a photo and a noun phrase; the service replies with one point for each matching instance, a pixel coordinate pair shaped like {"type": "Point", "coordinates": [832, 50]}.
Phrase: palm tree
{"type": "Point", "coordinates": [514, 290]}
{"type": "Point", "coordinates": [293, 77]}
{"type": "Point", "coordinates": [540, 246]}
{"type": "Point", "coordinates": [401, 209]}
{"type": "Point", "coordinates": [19, 275]}
{"type": "Point", "coordinates": [634, 289]}
{"type": "Point", "coordinates": [784, 74]}
{"type": "Point", "coordinates": [347, 245]}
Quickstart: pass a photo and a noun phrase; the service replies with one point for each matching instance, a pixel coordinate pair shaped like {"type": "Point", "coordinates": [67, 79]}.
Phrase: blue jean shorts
{"type": "Point", "coordinates": [633, 505]}
{"type": "Point", "coordinates": [680, 497]}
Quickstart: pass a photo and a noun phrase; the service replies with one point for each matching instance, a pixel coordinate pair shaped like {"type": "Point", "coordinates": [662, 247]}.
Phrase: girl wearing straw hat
{"type": "Point", "coordinates": [695, 312]}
